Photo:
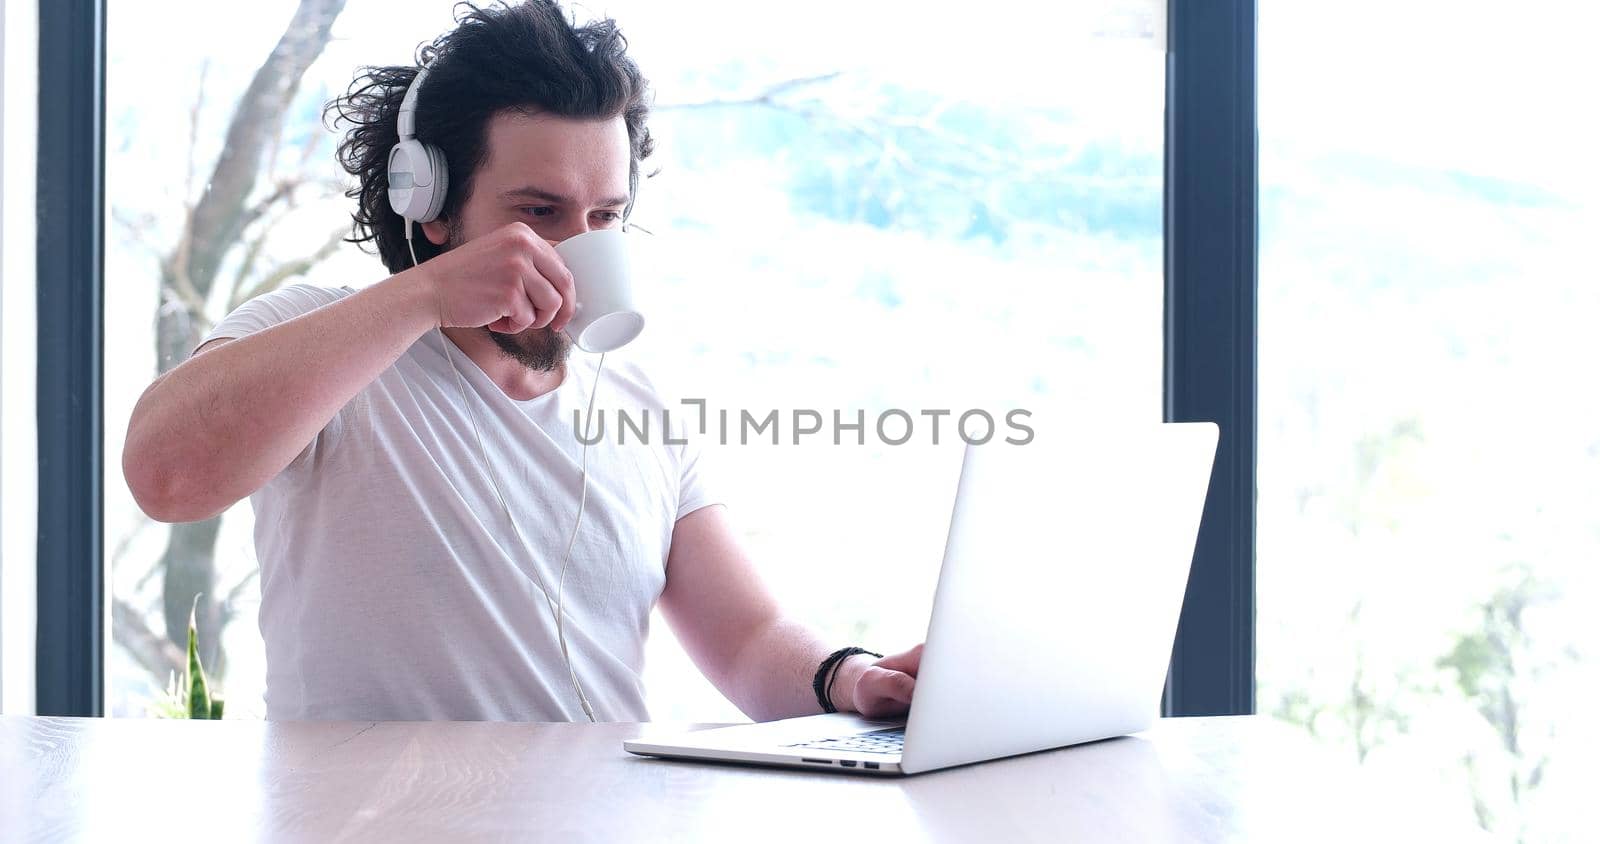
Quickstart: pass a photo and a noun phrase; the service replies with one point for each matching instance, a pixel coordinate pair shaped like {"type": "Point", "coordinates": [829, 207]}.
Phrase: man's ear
{"type": "Point", "coordinates": [437, 231]}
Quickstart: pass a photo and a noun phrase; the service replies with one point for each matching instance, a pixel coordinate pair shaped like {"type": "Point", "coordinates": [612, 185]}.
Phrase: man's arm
{"type": "Point", "coordinates": [735, 631]}
{"type": "Point", "coordinates": [219, 425]}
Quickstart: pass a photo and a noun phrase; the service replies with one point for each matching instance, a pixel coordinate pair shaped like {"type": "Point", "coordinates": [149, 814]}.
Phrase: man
{"type": "Point", "coordinates": [394, 585]}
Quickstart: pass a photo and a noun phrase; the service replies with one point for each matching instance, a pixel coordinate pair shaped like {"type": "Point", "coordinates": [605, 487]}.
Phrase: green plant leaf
{"type": "Point", "coordinates": [199, 693]}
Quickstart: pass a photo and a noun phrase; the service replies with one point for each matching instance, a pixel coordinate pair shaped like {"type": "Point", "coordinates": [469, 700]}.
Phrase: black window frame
{"type": "Point", "coordinates": [1209, 370]}
{"type": "Point", "coordinates": [69, 652]}
{"type": "Point", "coordinates": [1210, 321]}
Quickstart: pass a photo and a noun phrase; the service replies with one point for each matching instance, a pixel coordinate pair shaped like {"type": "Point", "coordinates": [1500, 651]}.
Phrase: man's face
{"type": "Point", "coordinates": [559, 175]}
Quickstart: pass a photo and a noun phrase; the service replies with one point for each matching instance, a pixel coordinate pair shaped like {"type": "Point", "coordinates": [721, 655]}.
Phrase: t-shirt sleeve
{"type": "Point", "coordinates": [694, 488]}
{"type": "Point", "coordinates": [271, 308]}
{"type": "Point", "coordinates": [267, 310]}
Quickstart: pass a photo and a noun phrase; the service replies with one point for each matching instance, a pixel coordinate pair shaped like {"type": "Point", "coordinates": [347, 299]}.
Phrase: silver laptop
{"type": "Point", "coordinates": [1054, 616]}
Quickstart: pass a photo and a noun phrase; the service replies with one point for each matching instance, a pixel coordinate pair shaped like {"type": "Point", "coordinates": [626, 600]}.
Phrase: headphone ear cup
{"type": "Point", "coordinates": [441, 183]}
{"type": "Point", "coordinates": [417, 180]}
{"type": "Point", "coordinates": [410, 176]}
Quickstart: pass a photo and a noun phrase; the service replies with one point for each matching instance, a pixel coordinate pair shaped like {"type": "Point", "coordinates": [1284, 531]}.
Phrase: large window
{"type": "Point", "coordinates": [1429, 445]}
{"type": "Point", "coordinates": [860, 208]}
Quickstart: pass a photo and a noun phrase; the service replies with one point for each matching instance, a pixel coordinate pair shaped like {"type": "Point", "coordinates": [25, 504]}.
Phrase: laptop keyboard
{"type": "Point", "coordinates": [888, 741]}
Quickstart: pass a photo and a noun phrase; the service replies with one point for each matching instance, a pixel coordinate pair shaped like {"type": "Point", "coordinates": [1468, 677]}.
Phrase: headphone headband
{"type": "Point", "coordinates": [408, 106]}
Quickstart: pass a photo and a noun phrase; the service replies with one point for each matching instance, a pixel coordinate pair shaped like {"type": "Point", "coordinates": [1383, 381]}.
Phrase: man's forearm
{"type": "Point", "coordinates": [217, 427]}
{"type": "Point", "coordinates": [775, 669]}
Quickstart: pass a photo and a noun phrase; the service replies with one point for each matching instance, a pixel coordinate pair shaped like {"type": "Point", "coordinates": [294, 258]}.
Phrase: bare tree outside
{"type": "Point", "coordinates": [251, 187]}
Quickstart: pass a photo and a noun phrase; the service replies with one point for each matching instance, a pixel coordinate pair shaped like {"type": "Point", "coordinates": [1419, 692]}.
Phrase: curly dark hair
{"type": "Point", "coordinates": [528, 58]}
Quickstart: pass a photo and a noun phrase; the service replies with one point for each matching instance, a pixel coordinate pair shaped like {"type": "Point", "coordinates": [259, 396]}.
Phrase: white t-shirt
{"type": "Point", "coordinates": [393, 587]}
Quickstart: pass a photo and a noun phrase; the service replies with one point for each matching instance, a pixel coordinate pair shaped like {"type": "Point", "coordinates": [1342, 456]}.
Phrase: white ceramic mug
{"type": "Point", "coordinates": [601, 262]}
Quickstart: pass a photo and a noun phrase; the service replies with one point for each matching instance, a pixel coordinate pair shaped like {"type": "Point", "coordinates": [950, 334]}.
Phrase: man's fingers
{"type": "Point", "coordinates": [883, 693]}
{"type": "Point", "coordinates": [521, 316]}
{"type": "Point", "coordinates": [890, 685]}
{"type": "Point", "coordinates": [557, 289]}
{"type": "Point", "coordinates": [546, 301]}
{"type": "Point", "coordinates": [569, 300]}
{"type": "Point", "coordinates": [907, 661]}
{"type": "Point", "coordinates": [902, 685]}
{"type": "Point", "coordinates": [511, 324]}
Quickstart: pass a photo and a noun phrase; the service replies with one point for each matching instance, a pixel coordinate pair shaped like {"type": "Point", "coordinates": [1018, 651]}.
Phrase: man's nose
{"type": "Point", "coordinates": [569, 231]}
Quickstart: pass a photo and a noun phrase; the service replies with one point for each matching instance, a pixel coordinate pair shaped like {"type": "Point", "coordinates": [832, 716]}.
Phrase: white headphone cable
{"type": "Point", "coordinates": [583, 496]}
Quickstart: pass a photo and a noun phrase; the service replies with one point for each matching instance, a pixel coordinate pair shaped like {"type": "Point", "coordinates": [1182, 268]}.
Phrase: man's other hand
{"type": "Point", "coordinates": [878, 689]}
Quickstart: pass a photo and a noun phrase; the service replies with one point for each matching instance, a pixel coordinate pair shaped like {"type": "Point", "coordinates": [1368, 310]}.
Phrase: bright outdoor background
{"type": "Point", "coordinates": [874, 205]}
{"type": "Point", "coordinates": [1430, 433]}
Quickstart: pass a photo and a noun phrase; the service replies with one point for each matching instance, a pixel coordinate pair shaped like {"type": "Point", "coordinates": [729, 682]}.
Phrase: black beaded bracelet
{"type": "Point", "coordinates": [822, 681]}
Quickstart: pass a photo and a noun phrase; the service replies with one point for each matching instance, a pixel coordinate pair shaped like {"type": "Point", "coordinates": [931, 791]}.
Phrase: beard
{"type": "Point", "coordinates": [539, 349]}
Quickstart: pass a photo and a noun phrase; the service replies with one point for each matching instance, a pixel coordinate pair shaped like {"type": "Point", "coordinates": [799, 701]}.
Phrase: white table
{"type": "Point", "coordinates": [1199, 779]}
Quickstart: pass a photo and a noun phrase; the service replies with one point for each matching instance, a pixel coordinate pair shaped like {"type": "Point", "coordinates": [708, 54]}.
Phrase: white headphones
{"type": "Point", "coordinates": [418, 180]}
{"type": "Point", "coordinates": [417, 187]}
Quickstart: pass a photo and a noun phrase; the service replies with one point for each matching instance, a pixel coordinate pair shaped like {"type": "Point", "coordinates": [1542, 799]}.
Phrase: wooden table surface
{"type": "Point", "coordinates": [1193, 779]}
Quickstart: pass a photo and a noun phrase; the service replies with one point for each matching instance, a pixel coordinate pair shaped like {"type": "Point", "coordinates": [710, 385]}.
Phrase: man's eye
{"type": "Point", "coordinates": [610, 216]}
{"type": "Point", "coordinates": [540, 210]}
